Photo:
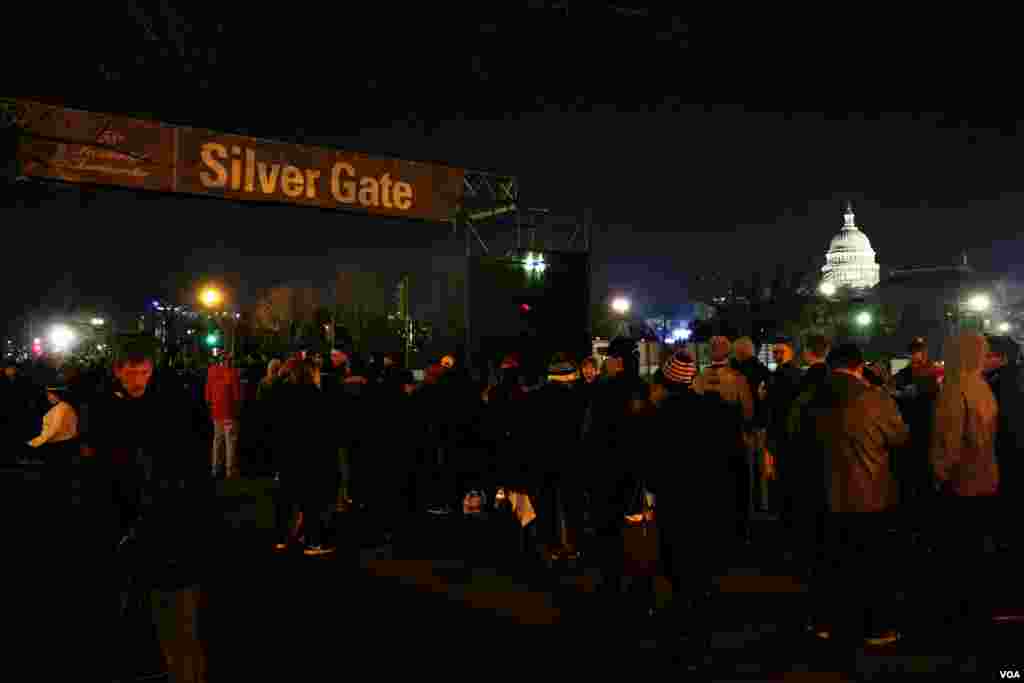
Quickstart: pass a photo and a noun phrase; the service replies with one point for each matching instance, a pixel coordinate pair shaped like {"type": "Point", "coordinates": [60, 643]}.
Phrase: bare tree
{"type": "Point", "coordinates": [361, 305]}
{"type": "Point", "coordinates": [275, 309]}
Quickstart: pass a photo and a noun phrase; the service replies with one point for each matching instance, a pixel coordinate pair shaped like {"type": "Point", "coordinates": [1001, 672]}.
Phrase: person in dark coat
{"type": "Point", "coordinates": [859, 426]}
{"type": "Point", "coordinates": [756, 373]}
{"type": "Point", "coordinates": [311, 467]}
{"type": "Point", "coordinates": [389, 459]}
{"type": "Point", "coordinates": [18, 403]}
{"type": "Point", "coordinates": [557, 409]}
{"type": "Point", "coordinates": [1005, 376]}
{"type": "Point", "coordinates": [915, 389]}
{"type": "Point", "coordinates": [802, 472]}
{"type": "Point", "coordinates": [506, 427]}
{"type": "Point", "coordinates": [782, 391]}
{"type": "Point", "coordinates": [694, 484]}
{"type": "Point", "coordinates": [608, 447]}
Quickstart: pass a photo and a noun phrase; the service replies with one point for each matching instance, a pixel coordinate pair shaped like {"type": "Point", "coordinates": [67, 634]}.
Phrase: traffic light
{"type": "Point", "coordinates": [37, 347]}
{"type": "Point", "coordinates": [212, 339]}
{"type": "Point", "coordinates": [524, 308]}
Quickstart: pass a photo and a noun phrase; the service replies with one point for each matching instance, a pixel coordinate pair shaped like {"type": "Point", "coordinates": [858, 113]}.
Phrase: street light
{"type": "Point", "coordinates": [979, 303]}
{"type": "Point", "coordinates": [827, 288]}
{"type": "Point", "coordinates": [62, 337]}
{"type": "Point", "coordinates": [620, 305]}
{"type": "Point", "coordinates": [534, 264]}
{"type": "Point", "coordinates": [211, 297]}
{"type": "Point", "coordinates": [863, 318]}
{"type": "Point", "coordinates": [1004, 327]}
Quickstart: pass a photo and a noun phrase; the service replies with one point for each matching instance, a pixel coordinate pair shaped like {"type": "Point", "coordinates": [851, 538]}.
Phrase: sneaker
{"type": "Point", "coordinates": [881, 639]}
{"type": "Point", "coordinates": [317, 550]}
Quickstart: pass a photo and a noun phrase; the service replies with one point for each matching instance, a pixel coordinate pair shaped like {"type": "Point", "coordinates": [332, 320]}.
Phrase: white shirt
{"type": "Point", "coordinates": [59, 424]}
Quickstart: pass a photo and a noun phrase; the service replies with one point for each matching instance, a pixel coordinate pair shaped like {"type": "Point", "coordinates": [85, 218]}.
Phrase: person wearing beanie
{"type": "Point", "coordinates": [553, 468]}
{"type": "Point", "coordinates": [721, 379]}
{"type": "Point", "coordinates": [680, 369]}
{"type": "Point", "coordinates": [561, 371]}
{"type": "Point", "coordinates": [689, 485]}
{"type": "Point", "coordinates": [730, 428]}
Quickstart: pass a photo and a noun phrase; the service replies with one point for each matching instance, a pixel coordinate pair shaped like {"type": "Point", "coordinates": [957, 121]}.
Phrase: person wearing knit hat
{"type": "Point", "coordinates": [680, 369]}
{"type": "Point", "coordinates": [556, 473]}
{"type": "Point", "coordinates": [562, 369]}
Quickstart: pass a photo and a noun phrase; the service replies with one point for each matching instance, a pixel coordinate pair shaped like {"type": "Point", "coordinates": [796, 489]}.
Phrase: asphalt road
{"type": "Point", "coordinates": [440, 601]}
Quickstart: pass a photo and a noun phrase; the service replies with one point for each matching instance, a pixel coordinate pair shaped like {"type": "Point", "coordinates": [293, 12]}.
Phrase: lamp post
{"type": "Point", "coordinates": [621, 306]}
{"type": "Point", "coordinates": [976, 304]}
{"type": "Point", "coordinates": [213, 299]}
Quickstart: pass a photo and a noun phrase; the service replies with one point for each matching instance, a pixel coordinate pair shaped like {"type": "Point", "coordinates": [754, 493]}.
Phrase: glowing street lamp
{"type": "Point", "coordinates": [827, 288]}
{"type": "Point", "coordinates": [62, 337]}
{"type": "Point", "coordinates": [863, 318]}
{"type": "Point", "coordinates": [620, 305]}
{"type": "Point", "coordinates": [1004, 327]}
{"type": "Point", "coordinates": [535, 263]}
{"type": "Point", "coordinates": [979, 303]}
{"type": "Point", "coordinates": [211, 297]}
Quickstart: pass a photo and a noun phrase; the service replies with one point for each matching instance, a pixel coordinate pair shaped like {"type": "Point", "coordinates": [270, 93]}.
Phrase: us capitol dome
{"type": "Point", "coordinates": [850, 260]}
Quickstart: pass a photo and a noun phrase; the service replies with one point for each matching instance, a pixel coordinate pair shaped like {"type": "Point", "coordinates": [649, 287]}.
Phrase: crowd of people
{"type": "Point", "coordinates": [590, 446]}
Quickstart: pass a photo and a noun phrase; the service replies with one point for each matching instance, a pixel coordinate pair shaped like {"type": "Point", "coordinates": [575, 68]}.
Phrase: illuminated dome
{"type": "Point", "coordinates": [850, 260]}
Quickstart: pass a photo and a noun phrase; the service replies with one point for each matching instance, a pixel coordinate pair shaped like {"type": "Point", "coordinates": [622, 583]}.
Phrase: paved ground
{"type": "Point", "coordinates": [421, 603]}
{"type": "Point", "coordinates": [424, 605]}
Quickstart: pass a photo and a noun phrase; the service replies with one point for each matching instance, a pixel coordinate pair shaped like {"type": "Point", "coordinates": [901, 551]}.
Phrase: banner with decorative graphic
{"type": "Point", "coordinates": [78, 146]}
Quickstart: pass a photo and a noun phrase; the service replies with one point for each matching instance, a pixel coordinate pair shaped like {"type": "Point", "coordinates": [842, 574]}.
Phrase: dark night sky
{"type": "Point", "coordinates": [675, 188]}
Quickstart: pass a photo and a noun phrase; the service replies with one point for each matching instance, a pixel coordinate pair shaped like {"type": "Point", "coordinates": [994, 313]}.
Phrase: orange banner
{"type": "Point", "coordinates": [77, 146]}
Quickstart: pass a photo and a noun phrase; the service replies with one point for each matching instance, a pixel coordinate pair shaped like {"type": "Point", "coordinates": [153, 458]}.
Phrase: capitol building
{"type": "Point", "coordinates": [850, 260]}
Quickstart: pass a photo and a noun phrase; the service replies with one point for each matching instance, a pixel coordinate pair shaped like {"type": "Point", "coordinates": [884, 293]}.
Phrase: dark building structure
{"type": "Point", "coordinates": [936, 301]}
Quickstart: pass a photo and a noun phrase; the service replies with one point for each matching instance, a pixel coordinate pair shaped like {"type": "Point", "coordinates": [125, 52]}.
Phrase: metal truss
{"type": "Point", "coordinates": [490, 198]}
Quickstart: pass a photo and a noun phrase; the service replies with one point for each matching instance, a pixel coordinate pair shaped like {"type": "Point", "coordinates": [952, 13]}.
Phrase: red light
{"type": "Point", "coordinates": [525, 308]}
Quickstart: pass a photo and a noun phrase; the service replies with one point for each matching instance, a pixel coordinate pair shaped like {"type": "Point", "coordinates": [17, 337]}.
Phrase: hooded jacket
{"type": "Point", "coordinates": [966, 419]}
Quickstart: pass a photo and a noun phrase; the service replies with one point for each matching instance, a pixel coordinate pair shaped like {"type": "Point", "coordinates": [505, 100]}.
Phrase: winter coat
{"type": "Point", "coordinates": [859, 426]}
{"type": "Point", "coordinates": [963, 445]}
{"type": "Point", "coordinates": [223, 393]}
{"type": "Point", "coordinates": [1007, 385]}
{"type": "Point", "coordinates": [309, 453]}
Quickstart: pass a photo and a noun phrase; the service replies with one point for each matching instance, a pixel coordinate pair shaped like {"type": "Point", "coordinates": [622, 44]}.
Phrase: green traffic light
{"type": "Point", "coordinates": [211, 339]}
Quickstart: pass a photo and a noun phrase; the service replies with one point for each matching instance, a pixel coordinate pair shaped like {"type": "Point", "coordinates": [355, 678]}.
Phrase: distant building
{"type": "Point", "coordinates": [933, 300]}
{"type": "Point", "coordinates": [850, 260]}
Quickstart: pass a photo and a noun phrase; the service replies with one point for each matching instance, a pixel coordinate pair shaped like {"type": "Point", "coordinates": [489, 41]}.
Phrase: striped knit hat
{"type": "Point", "coordinates": [562, 371]}
{"type": "Point", "coordinates": [680, 368]}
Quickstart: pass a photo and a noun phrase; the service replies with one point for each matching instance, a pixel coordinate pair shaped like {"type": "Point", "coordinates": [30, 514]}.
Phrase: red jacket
{"type": "Point", "coordinates": [223, 392]}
